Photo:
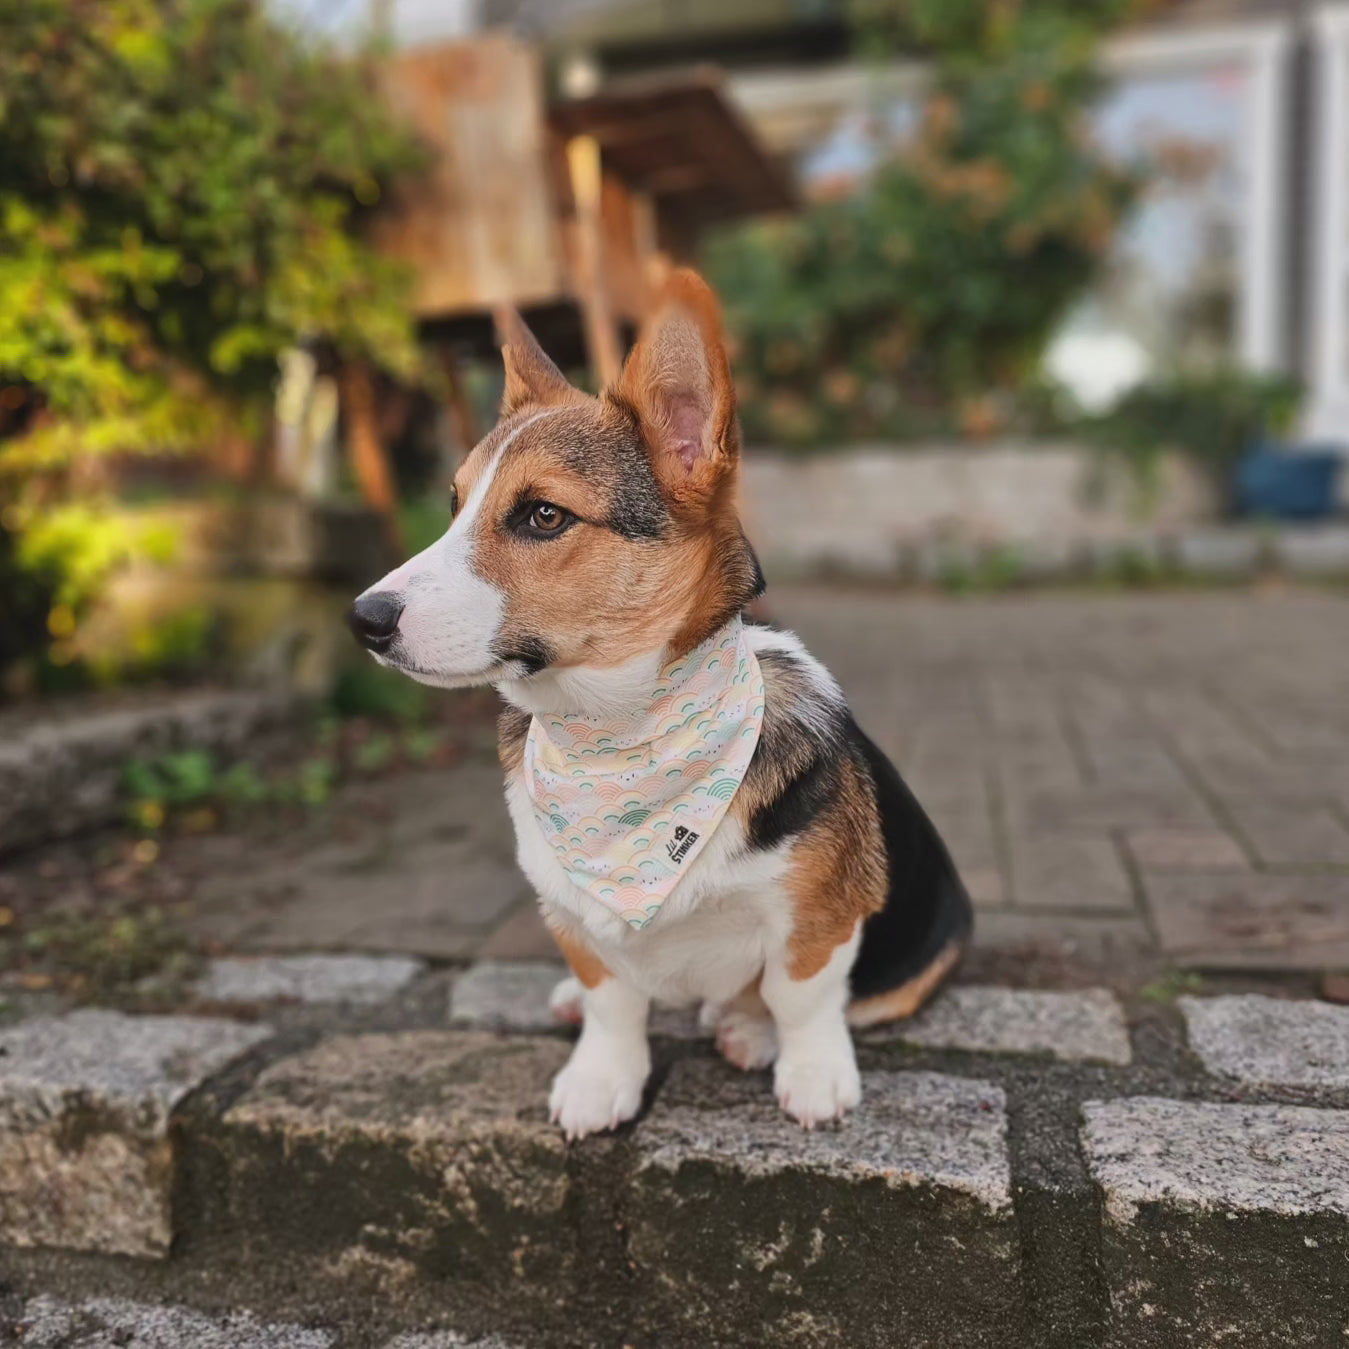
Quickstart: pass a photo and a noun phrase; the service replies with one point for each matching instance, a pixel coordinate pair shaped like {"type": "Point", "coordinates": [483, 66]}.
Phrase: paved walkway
{"type": "Point", "coordinates": [1119, 777]}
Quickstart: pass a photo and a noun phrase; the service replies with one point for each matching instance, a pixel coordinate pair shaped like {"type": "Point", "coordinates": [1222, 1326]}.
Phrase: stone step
{"type": "Point", "coordinates": [119, 1323]}
{"type": "Point", "coordinates": [1019, 1173]}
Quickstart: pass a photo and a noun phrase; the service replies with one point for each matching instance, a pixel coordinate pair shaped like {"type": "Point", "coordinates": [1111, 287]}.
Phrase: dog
{"type": "Point", "coordinates": [701, 817]}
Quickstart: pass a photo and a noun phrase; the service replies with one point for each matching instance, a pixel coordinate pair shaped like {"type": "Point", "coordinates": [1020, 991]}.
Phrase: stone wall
{"type": "Point", "coordinates": [878, 510]}
{"type": "Point", "coordinates": [62, 774]}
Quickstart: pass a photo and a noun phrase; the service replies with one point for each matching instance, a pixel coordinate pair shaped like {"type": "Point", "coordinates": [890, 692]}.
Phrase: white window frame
{"type": "Point", "coordinates": [1264, 49]}
{"type": "Point", "coordinates": [1327, 412]}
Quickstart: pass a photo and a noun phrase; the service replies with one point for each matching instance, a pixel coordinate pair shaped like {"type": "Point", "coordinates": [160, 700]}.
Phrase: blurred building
{"type": "Point", "coordinates": [1240, 252]}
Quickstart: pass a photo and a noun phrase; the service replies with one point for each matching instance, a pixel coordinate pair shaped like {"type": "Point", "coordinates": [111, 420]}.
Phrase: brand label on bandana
{"type": "Point", "coordinates": [627, 804]}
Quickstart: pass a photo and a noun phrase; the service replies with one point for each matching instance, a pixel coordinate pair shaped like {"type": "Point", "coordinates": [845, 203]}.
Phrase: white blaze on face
{"type": "Point", "coordinates": [451, 615]}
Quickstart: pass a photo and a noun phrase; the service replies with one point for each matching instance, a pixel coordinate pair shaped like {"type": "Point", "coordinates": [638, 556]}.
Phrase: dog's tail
{"type": "Point", "coordinates": [912, 944]}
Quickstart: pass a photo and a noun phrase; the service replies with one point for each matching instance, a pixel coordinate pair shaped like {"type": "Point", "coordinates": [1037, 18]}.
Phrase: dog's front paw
{"type": "Point", "coordinates": [589, 1096]}
{"type": "Point", "coordinates": [817, 1089]}
{"type": "Point", "coordinates": [747, 1040]}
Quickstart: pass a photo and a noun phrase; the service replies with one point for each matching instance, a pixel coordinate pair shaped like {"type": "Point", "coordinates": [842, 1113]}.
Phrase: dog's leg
{"type": "Point", "coordinates": [601, 1086]}
{"type": "Point", "coordinates": [746, 1035]}
{"type": "Point", "coordinates": [816, 1075]}
{"type": "Point", "coordinates": [567, 1001]}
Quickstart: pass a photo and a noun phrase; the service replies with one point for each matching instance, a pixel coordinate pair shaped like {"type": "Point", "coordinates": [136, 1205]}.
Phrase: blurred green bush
{"type": "Point", "coordinates": [1212, 417]}
{"type": "Point", "coordinates": [921, 305]}
{"type": "Point", "coordinates": [183, 189]}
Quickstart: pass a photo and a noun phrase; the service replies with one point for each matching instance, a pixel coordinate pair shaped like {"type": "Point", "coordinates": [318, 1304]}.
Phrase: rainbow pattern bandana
{"type": "Point", "coordinates": [627, 804]}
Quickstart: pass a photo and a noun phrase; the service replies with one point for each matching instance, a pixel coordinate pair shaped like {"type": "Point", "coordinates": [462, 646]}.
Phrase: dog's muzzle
{"type": "Point", "coordinates": [373, 619]}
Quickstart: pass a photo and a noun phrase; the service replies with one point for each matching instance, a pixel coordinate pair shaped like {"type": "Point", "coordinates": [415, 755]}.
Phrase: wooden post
{"type": "Point", "coordinates": [583, 167]}
{"type": "Point", "coordinates": [374, 474]}
{"type": "Point", "coordinates": [655, 265]}
{"type": "Point", "coordinates": [456, 397]}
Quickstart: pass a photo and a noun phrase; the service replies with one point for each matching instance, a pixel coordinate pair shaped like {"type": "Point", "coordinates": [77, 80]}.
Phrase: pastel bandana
{"type": "Point", "coordinates": [628, 803]}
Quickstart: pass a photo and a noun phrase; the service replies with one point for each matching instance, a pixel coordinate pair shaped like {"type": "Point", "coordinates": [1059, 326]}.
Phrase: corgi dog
{"type": "Point", "coordinates": [702, 818]}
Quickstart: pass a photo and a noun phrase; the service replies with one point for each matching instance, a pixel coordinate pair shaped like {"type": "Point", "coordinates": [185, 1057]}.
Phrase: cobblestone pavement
{"type": "Point", "coordinates": [1118, 777]}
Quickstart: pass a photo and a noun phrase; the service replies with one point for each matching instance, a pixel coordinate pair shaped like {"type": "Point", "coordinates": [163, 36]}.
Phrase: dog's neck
{"type": "Point", "coordinates": [600, 693]}
{"type": "Point", "coordinates": [589, 690]}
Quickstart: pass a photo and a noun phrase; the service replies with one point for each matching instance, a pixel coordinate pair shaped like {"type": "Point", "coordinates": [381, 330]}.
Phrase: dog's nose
{"type": "Point", "coordinates": [374, 619]}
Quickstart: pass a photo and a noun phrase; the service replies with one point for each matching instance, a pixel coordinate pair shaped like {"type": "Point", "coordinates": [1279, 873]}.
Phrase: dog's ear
{"type": "Point", "coordinates": [677, 381]}
{"type": "Point", "coordinates": [531, 377]}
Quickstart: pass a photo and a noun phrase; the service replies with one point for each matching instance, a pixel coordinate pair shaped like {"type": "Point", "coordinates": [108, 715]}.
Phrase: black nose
{"type": "Point", "coordinates": [374, 619]}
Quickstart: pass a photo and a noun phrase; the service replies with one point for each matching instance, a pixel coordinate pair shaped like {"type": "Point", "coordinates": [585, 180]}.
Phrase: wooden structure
{"type": "Point", "coordinates": [577, 206]}
{"type": "Point", "coordinates": [570, 213]}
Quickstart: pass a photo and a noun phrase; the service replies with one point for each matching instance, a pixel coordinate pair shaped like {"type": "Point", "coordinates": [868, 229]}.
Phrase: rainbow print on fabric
{"type": "Point", "coordinates": [628, 803]}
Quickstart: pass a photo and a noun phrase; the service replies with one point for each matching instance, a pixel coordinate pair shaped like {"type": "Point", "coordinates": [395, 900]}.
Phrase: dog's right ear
{"type": "Point", "coordinates": [531, 377]}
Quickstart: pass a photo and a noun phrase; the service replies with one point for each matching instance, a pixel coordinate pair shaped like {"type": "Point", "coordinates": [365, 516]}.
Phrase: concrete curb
{"type": "Point", "coordinates": [994, 1189]}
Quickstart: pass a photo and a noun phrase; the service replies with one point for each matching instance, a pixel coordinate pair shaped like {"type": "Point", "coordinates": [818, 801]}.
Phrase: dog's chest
{"type": "Point", "coordinates": [712, 934]}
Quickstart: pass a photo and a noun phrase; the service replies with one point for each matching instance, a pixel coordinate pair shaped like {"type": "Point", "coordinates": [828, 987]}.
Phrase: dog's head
{"type": "Point", "coordinates": [586, 531]}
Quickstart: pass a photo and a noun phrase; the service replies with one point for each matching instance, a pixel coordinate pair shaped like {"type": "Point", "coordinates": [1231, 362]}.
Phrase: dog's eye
{"type": "Point", "coordinates": [545, 518]}
{"type": "Point", "coordinates": [454, 501]}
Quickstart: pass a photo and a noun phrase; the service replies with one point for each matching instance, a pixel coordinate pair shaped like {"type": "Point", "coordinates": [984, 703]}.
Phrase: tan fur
{"type": "Point", "coordinates": [584, 963]}
{"type": "Point", "coordinates": [837, 877]}
{"type": "Point", "coordinates": [904, 1001]}
{"type": "Point", "coordinates": [512, 731]}
{"type": "Point", "coordinates": [531, 378]}
{"type": "Point", "coordinates": [623, 596]}
{"type": "Point", "coordinates": [680, 365]}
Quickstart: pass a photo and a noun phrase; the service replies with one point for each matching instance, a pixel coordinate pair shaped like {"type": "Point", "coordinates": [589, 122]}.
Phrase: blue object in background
{"type": "Point", "coordinates": [1288, 483]}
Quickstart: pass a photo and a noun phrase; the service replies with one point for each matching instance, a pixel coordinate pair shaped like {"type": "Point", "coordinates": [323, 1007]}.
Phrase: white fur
{"type": "Point", "coordinates": [598, 693]}
{"type": "Point", "coordinates": [816, 1075]}
{"type": "Point", "coordinates": [601, 1085]}
{"type": "Point", "coordinates": [818, 714]}
{"type": "Point", "coordinates": [724, 925]}
{"type": "Point", "coordinates": [747, 1037]}
{"type": "Point", "coordinates": [451, 615]}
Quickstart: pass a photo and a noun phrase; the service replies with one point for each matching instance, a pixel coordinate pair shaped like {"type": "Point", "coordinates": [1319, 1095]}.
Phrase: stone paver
{"type": "Point", "coordinates": [740, 1217]}
{"type": "Point", "coordinates": [512, 995]}
{"type": "Point", "coordinates": [118, 1323]}
{"type": "Point", "coordinates": [423, 864]}
{"type": "Point", "coordinates": [1186, 850]}
{"type": "Point", "coordinates": [114, 1323]}
{"type": "Point", "coordinates": [1279, 1159]}
{"type": "Point", "coordinates": [307, 979]}
{"type": "Point", "coordinates": [1070, 873]}
{"type": "Point", "coordinates": [505, 995]}
{"type": "Point", "coordinates": [1127, 771]}
{"type": "Point", "coordinates": [1072, 1027]}
{"type": "Point", "coordinates": [61, 774]}
{"type": "Point", "coordinates": [1270, 1041]}
{"type": "Point", "coordinates": [402, 1146]}
{"type": "Point", "coordinates": [1252, 921]}
{"type": "Point", "coordinates": [912, 1130]}
{"type": "Point", "coordinates": [448, 1339]}
{"type": "Point", "coordinates": [85, 1099]}
{"type": "Point", "coordinates": [1223, 1223]}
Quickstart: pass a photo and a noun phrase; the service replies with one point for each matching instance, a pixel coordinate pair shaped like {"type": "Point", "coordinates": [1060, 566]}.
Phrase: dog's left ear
{"type": "Point", "coordinates": [531, 378]}
{"type": "Point", "coordinates": [677, 380]}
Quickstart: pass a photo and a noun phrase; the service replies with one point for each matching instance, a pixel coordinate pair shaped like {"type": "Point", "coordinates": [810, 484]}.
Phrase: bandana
{"type": "Point", "coordinates": [628, 803]}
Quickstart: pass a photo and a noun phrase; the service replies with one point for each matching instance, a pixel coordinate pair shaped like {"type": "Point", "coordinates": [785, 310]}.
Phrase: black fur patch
{"type": "Point", "coordinates": [926, 905]}
{"type": "Point", "coordinates": [760, 584]}
{"type": "Point", "coordinates": [805, 797]}
{"type": "Point", "coordinates": [795, 766]}
{"type": "Point", "coordinates": [620, 468]}
{"type": "Point", "coordinates": [531, 653]}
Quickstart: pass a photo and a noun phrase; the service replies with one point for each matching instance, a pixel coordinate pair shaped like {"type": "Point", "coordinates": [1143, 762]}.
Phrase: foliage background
{"type": "Point", "coordinates": [922, 304]}
{"type": "Point", "coordinates": [183, 185]}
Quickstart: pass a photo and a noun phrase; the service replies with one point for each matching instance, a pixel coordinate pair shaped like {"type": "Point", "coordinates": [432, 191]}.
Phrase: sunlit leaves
{"type": "Point", "coordinates": [921, 303]}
